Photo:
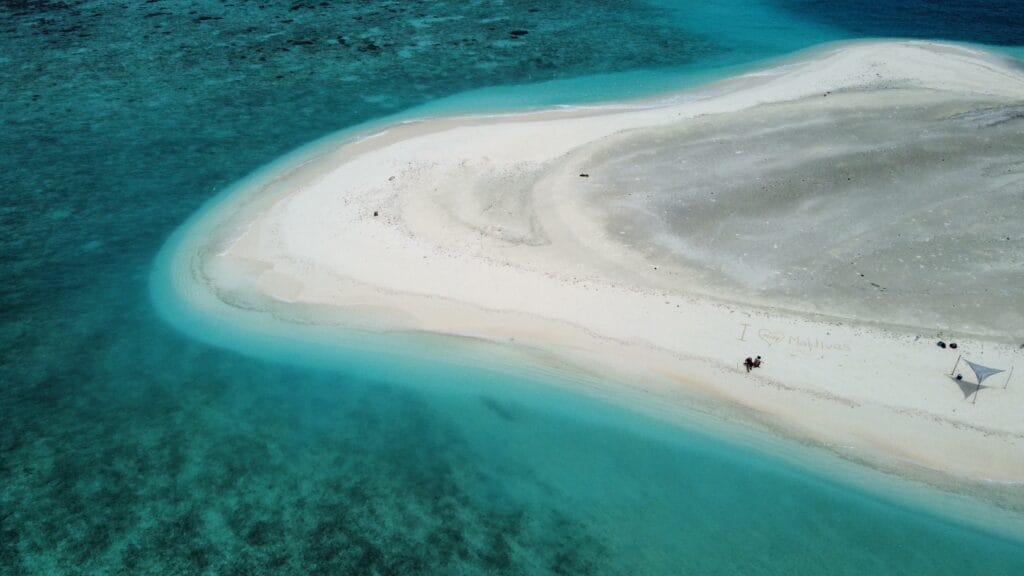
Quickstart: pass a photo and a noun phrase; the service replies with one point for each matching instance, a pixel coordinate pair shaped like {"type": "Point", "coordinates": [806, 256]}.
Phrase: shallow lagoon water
{"type": "Point", "coordinates": [128, 447]}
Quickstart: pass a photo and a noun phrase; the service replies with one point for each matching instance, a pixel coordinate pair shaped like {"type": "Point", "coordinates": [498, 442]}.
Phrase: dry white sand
{"type": "Point", "coordinates": [487, 229]}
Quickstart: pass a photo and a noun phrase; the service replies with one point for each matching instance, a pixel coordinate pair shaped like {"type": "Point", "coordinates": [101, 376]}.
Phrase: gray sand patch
{"type": "Point", "coordinates": [901, 206]}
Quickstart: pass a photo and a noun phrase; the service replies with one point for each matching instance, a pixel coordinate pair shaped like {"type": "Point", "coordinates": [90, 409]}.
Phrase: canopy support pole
{"type": "Point", "coordinates": [958, 357]}
{"type": "Point", "coordinates": [976, 390]}
{"type": "Point", "coordinates": [1008, 378]}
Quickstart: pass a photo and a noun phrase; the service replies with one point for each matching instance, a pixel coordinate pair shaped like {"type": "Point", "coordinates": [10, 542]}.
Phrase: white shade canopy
{"type": "Point", "coordinates": [983, 372]}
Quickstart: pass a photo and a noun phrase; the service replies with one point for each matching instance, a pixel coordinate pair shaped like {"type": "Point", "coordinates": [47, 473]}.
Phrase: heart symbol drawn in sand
{"type": "Point", "coordinates": [770, 338]}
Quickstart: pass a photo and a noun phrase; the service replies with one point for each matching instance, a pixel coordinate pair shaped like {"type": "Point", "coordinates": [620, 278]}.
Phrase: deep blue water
{"type": "Point", "coordinates": [127, 447]}
{"type": "Point", "coordinates": [982, 21]}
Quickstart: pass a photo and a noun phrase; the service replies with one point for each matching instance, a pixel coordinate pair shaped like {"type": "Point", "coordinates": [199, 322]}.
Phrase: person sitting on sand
{"type": "Point", "coordinates": [749, 363]}
{"type": "Point", "coordinates": [757, 362]}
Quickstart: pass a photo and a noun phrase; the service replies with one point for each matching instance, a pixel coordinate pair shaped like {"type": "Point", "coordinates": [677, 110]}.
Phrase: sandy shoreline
{"type": "Point", "coordinates": [486, 229]}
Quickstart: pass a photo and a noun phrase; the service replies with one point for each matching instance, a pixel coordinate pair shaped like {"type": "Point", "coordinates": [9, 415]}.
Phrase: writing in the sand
{"type": "Point", "coordinates": [777, 337]}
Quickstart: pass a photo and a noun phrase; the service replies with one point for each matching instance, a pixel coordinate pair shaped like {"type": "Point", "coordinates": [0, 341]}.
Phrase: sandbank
{"type": "Point", "coordinates": [836, 215]}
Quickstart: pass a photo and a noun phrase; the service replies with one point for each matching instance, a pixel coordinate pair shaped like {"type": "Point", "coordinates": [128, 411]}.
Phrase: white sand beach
{"type": "Point", "coordinates": [837, 215]}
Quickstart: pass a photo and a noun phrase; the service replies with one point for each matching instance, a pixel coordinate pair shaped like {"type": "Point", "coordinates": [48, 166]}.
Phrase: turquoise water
{"type": "Point", "coordinates": [128, 447]}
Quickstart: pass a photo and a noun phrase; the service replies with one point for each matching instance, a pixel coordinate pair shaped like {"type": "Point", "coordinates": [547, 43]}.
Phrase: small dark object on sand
{"type": "Point", "coordinates": [751, 363]}
{"type": "Point", "coordinates": [959, 376]}
{"type": "Point", "coordinates": [374, 213]}
{"type": "Point", "coordinates": [952, 345]}
{"type": "Point", "coordinates": [941, 344]}
{"type": "Point", "coordinates": [584, 175]}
